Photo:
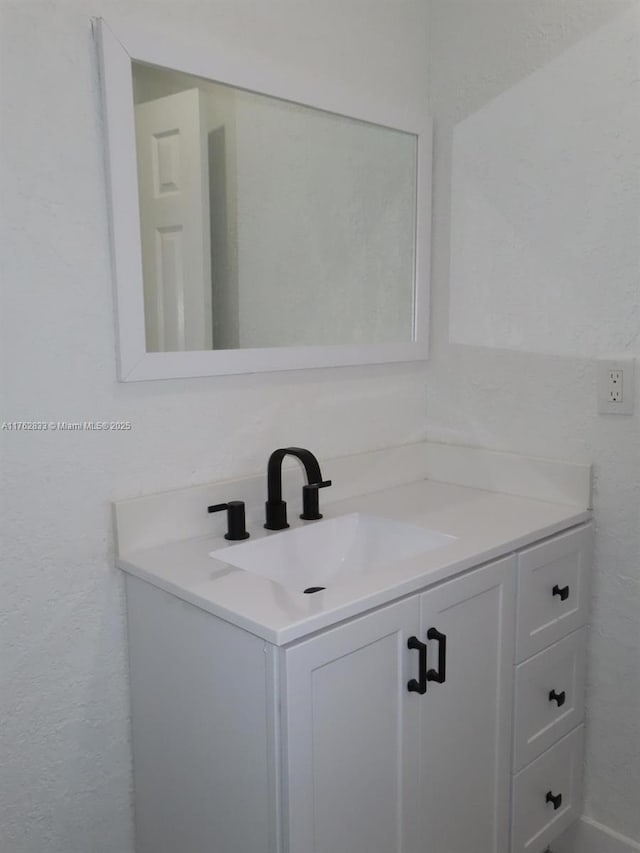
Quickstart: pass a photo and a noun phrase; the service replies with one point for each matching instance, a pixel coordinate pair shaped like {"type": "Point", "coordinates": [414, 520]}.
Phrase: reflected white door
{"type": "Point", "coordinates": [173, 179]}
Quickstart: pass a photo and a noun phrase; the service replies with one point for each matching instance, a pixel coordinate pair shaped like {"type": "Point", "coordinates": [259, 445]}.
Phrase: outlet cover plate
{"type": "Point", "coordinates": [625, 385]}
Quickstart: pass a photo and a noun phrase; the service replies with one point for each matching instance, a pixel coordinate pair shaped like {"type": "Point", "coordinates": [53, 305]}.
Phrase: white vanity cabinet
{"type": "Point", "coordinates": [332, 744]}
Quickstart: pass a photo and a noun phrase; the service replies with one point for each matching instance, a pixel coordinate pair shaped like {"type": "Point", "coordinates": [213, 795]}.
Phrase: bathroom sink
{"type": "Point", "coordinates": [323, 553]}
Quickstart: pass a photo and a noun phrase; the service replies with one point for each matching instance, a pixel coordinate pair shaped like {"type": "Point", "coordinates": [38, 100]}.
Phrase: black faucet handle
{"type": "Point", "coordinates": [236, 524]}
{"type": "Point", "coordinates": [310, 501]}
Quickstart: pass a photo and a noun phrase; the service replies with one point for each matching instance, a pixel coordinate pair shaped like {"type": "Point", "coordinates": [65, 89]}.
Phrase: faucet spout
{"type": "Point", "coordinates": [275, 507]}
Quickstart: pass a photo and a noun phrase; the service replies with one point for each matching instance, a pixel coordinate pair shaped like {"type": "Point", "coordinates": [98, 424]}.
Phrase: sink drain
{"type": "Point", "coordinates": [311, 589]}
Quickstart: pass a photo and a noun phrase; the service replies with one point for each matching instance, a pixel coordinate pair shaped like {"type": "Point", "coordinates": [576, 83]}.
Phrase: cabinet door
{"type": "Point", "coordinates": [466, 721]}
{"type": "Point", "coordinates": [350, 726]}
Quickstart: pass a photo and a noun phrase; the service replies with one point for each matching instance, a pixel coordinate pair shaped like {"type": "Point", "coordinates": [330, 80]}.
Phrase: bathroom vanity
{"type": "Point", "coordinates": [434, 705]}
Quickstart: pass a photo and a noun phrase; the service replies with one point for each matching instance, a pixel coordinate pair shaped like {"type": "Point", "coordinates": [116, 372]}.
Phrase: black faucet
{"type": "Point", "coordinates": [275, 507]}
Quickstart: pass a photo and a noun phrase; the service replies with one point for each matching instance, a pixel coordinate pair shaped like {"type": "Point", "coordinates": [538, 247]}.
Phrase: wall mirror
{"type": "Point", "coordinates": [258, 223]}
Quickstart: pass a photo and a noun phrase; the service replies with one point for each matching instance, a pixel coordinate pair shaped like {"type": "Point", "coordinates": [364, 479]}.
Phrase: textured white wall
{"type": "Point", "coordinates": [65, 758]}
{"type": "Point", "coordinates": [537, 195]}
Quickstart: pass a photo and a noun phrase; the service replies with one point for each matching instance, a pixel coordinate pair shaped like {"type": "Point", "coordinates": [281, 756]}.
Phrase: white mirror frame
{"type": "Point", "coordinates": [203, 59]}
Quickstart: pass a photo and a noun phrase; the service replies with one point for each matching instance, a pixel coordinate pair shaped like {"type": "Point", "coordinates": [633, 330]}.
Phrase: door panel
{"type": "Point", "coordinates": [173, 181]}
{"type": "Point", "coordinates": [465, 726]}
{"type": "Point", "coordinates": [351, 772]}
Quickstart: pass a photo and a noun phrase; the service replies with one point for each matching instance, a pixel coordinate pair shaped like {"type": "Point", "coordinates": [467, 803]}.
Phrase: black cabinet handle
{"type": "Point", "coordinates": [560, 698]}
{"type": "Point", "coordinates": [556, 800]}
{"type": "Point", "coordinates": [563, 593]}
{"type": "Point", "coordinates": [420, 685]}
{"type": "Point", "coordinates": [439, 674]}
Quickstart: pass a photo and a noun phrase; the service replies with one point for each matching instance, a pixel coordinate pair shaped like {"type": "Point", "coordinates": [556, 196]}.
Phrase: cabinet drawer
{"type": "Point", "coordinates": [547, 795]}
{"type": "Point", "coordinates": [553, 590]}
{"type": "Point", "coordinates": [549, 697]}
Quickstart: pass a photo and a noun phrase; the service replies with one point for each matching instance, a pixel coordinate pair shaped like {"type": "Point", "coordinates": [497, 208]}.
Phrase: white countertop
{"type": "Point", "coordinates": [486, 525]}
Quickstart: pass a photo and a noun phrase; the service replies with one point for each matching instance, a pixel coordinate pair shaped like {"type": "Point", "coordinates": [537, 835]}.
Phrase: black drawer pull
{"type": "Point", "coordinates": [560, 698]}
{"type": "Point", "coordinates": [439, 675]}
{"type": "Point", "coordinates": [418, 686]}
{"type": "Point", "coordinates": [563, 593]}
{"type": "Point", "coordinates": [556, 800]}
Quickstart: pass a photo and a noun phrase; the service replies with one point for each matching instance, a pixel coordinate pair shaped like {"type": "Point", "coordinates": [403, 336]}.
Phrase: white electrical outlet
{"type": "Point", "coordinates": [616, 386]}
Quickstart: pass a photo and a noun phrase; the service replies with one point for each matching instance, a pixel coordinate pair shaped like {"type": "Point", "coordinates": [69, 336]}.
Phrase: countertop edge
{"type": "Point", "coordinates": [326, 619]}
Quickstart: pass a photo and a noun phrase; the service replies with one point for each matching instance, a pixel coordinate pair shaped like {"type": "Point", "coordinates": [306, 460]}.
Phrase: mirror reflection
{"type": "Point", "coordinates": [269, 224]}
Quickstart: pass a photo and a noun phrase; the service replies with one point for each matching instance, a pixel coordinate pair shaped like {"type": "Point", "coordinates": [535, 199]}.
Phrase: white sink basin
{"type": "Point", "coordinates": [325, 552]}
